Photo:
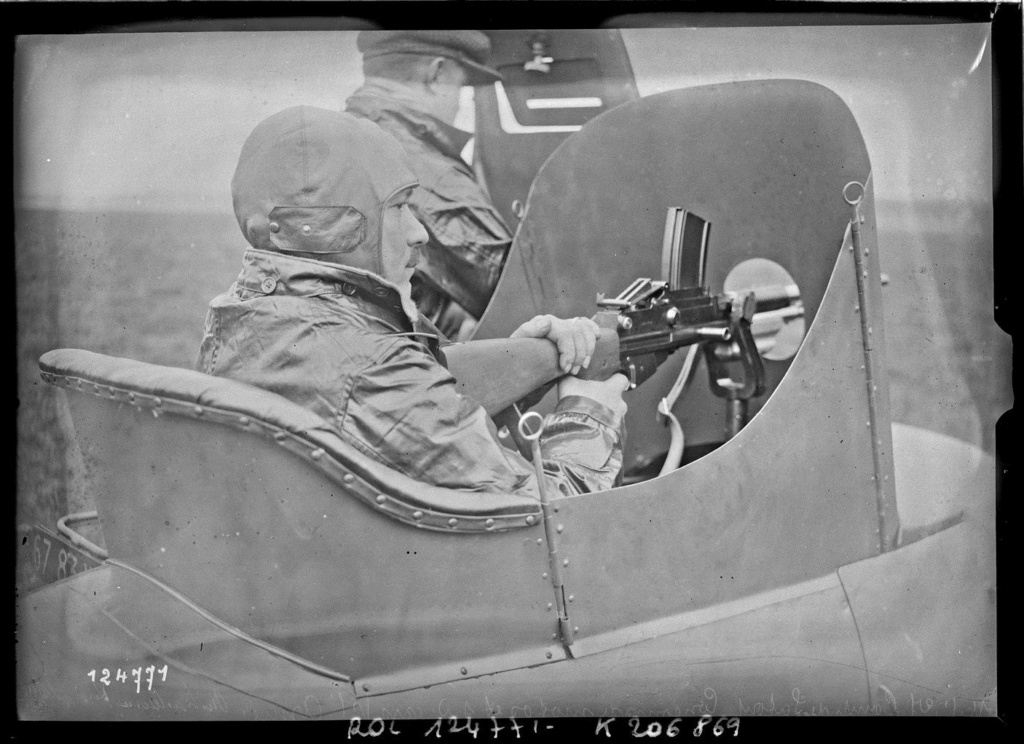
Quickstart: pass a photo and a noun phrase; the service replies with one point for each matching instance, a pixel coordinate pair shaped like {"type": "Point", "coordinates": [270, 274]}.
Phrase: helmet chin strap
{"type": "Point", "coordinates": [405, 292]}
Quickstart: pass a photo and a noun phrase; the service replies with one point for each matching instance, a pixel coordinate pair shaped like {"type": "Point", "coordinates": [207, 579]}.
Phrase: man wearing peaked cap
{"type": "Point", "coordinates": [469, 48]}
{"type": "Point", "coordinates": [412, 88]}
{"type": "Point", "coordinates": [321, 313]}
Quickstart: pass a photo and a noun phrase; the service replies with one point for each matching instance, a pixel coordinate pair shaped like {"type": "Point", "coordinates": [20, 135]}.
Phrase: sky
{"type": "Point", "coordinates": [154, 122]}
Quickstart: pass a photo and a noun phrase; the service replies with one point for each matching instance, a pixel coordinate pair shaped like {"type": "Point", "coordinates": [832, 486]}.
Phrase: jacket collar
{"type": "Point", "coordinates": [380, 98]}
{"type": "Point", "coordinates": [292, 276]}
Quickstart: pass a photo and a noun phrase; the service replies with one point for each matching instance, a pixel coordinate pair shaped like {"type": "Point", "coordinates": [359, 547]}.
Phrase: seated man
{"type": "Point", "coordinates": [322, 314]}
{"type": "Point", "coordinates": [412, 89]}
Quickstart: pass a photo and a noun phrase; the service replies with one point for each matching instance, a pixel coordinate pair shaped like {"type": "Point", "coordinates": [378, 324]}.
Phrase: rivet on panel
{"type": "Point", "coordinates": [867, 423]}
{"type": "Point", "coordinates": [543, 575]}
{"type": "Point", "coordinates": [554, 636]}
{"type": "Point", "coordinates": [865, 272]}
{"type": "Point", "coordinates": [856, 308]}
{"type": "Point", "coordinates": [870, 331]}
{"type": "Point", "coordinates": [530, 519]}
{"type": "Point", "coordinates": [317, 453]}
{"type": "Point", "coordinates": [348, 477]}
{"type": "Point", "coordinates": [243, 420]}
{"type": "Point", "coordinates": [452, 522]}
{"type": "Point", "coordinates": [417, 515]}
{"type": "Point", "coordinates": [280, 436]}
{"type": "Point", "coordinates": [157, 402]}
{"type": "Point", "coordinates": [559, 528]}
{"type": "Point", "coordinates": [550, 605]}
{"type": "Point", "coordinates": [381, 498]}
{"type": "Point", "coordinates": [565, 562]}
{"type": "Point", "coordinates": [463, 670]}
{"type": "Point", "coordinates": [571, 597]}
{"type": "Point", "coordinates": [556, 508]}
{"type": "Point", "coordinates": [489, 523]}
{"type": "Point", "coordinates": [113, 393]}
{"type": "Point", "coordinates": [198, 410]}
{"type": "Point", "coordinates": [540, 541]}
{"type": "Point", "coordinates": [79, 384]}
{"type": "Point", "coordinates": [548, 654]}
{"type": "Point", "coordinates": [576, 629]}
{"type": "Point", "coordinates": [131, 397]}
{"type": "Point", "coordinates": [366, 687]}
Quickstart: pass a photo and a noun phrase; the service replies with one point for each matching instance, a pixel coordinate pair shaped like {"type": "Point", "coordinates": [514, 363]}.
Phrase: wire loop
{"type": "Point", "coordinates": [524, 430]}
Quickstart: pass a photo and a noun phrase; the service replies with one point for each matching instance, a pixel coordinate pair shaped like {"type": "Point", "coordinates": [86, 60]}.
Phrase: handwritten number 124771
{"type": "Point", "coordinates": [122, 676]}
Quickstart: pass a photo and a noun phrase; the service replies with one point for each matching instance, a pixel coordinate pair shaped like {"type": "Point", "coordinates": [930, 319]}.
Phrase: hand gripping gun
{"type": "Point", "coordinates": [641, 328]}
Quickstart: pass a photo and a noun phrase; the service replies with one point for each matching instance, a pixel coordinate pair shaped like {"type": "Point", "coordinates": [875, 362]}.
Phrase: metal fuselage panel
{"type": "Point", "coordinates": [252, 534]}
{"type": "Point", "coordinates": [800, 655]}
{"type": "Point", "coordinates": [790, 498]}
{"type": "Point", "coordinates": [108, 645]}
{"type": "Point", "coordinates": [586, 63]}
{"type": "Point", "coordinates": [927, 617]}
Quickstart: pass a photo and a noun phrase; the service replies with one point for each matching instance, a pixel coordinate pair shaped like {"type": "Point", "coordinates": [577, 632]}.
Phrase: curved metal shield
{"type": "Point", "coordinates": [764, 161]}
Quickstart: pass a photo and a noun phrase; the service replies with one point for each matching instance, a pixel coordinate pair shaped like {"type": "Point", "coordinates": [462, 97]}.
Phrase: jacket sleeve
{"type": "Point", "coordinates": [468, 239]}
{"type": "Point", "coordinates": [404, 410]}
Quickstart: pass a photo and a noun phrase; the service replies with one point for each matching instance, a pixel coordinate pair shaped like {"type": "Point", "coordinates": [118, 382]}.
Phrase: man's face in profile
{"type": "Point", "coordinates": [401, 236]}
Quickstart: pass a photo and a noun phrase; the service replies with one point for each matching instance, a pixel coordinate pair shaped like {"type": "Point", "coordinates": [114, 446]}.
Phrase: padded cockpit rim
{"type": "Point", "coordinates": [219, 400]}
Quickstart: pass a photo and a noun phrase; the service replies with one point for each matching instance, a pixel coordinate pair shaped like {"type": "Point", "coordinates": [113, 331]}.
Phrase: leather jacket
{"type": "Point", "coordinates": [469, 240]}
{"type": "Point", "coordinates": [337, 340]}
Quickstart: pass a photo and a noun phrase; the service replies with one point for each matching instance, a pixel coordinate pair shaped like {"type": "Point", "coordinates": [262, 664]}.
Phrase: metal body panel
{"type": "Point", "coordinates": [761, 511]}
{"type": "Point", "coordinates": [926, 615]}
{"type": "Point", "coordinates": [110, 619]}
{"type": "Point", "coordinates": [168, 390]}
{"type": "Point", "coordinates": [940, 478]}
{"type": "Point", "coordinates": [249, 531]}
{"type": "Point", "coordinates": [764, 162]}
{"type": "Point", "coordinates": [797, 655]}
{"type": "Point", "coordinates": [509, 161]}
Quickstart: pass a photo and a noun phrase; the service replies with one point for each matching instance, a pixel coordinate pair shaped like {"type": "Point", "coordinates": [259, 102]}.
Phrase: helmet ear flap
{"type": "Point", "coordinates": [317, 229]}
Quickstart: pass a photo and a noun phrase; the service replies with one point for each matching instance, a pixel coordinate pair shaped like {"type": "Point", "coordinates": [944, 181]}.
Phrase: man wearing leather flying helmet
{"type": "Point", "coordinates": [412, 87]}
{"type": "Point", "coordinates": [321, 313]}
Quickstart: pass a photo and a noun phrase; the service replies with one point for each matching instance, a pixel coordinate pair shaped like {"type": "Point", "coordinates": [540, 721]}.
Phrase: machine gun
{"type": "Point", "coordinates": [641, 328]}
{"type": "Point", "coordinates": [651, 321]}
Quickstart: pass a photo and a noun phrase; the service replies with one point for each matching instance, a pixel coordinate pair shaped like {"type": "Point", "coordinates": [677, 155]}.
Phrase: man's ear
{"type": "Point", "coordinates": [435, 71]}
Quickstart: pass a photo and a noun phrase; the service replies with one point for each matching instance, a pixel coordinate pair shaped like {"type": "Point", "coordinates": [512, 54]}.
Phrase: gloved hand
{"type": "Point", "coordinates": [608, 392]}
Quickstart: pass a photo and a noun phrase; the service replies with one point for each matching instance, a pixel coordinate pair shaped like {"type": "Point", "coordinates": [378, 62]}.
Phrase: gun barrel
{"type": "Point", "coordinates": [776, 296]}
{"type": "Point", "coordinates": [671, 339]}
{"type": "Point", "coordinates": [719, 334]}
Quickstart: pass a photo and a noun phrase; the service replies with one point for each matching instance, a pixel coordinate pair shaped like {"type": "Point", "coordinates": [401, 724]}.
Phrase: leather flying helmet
{"type": "Point", "coordinates": [315, 183]}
